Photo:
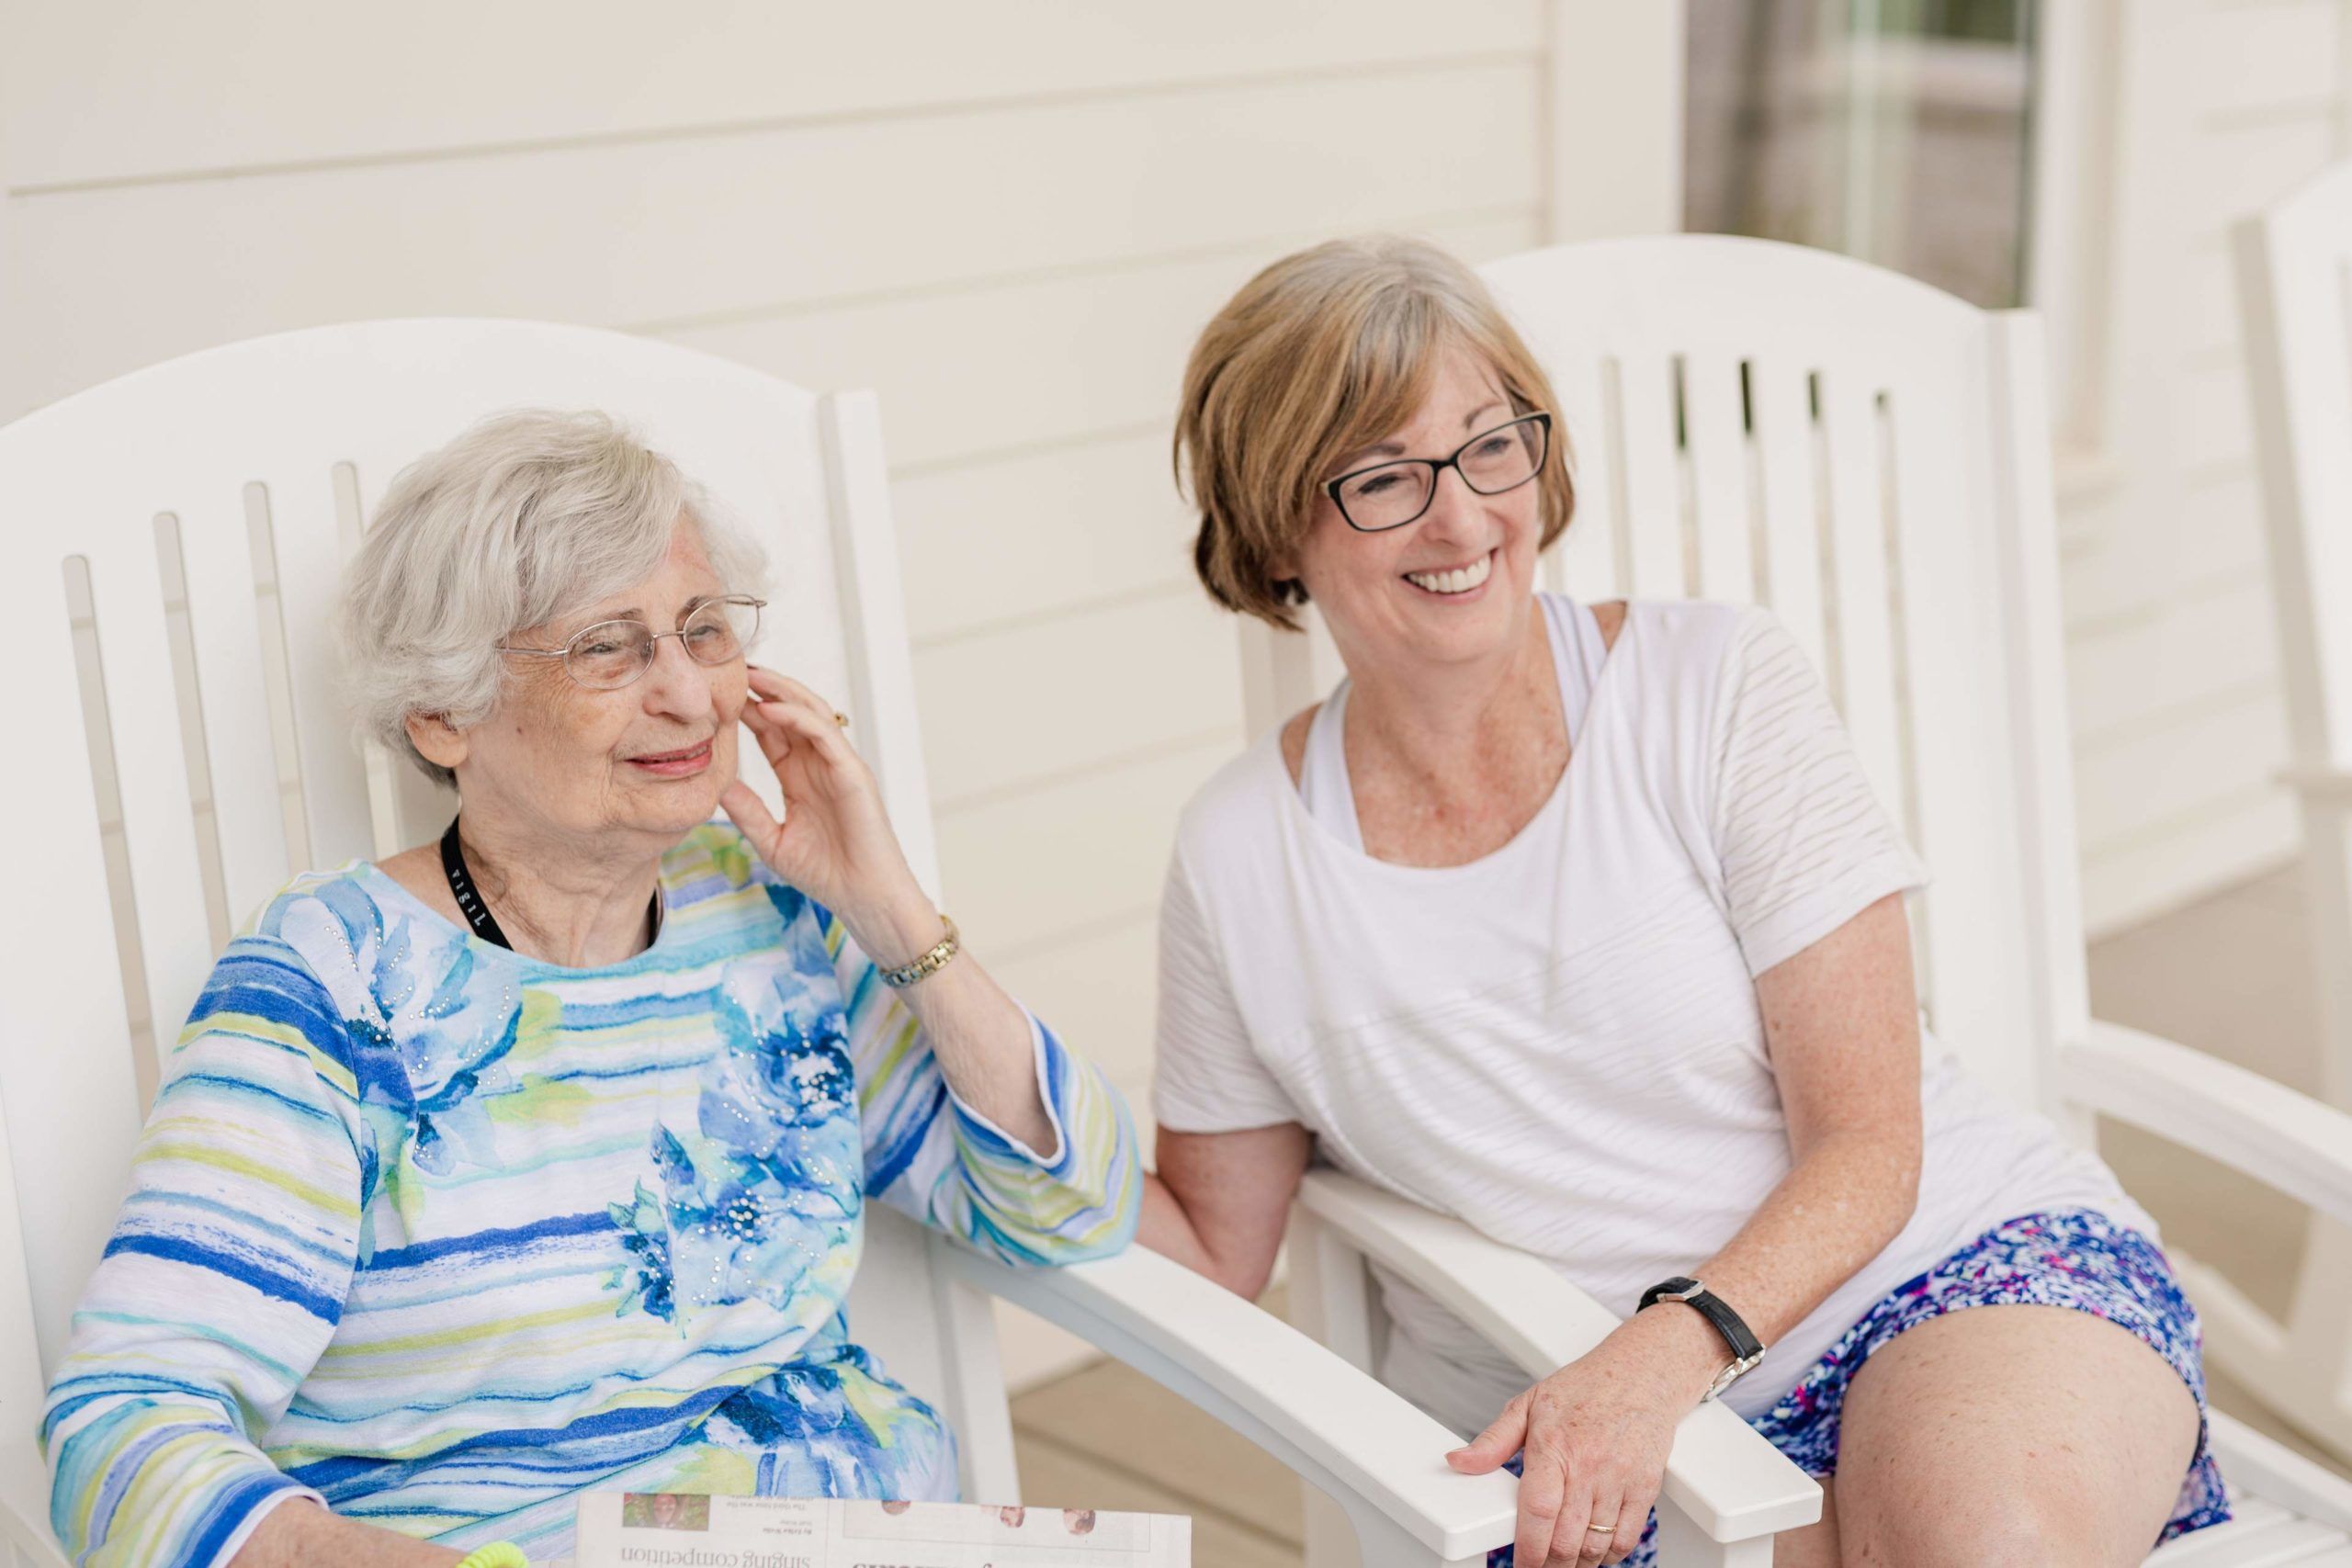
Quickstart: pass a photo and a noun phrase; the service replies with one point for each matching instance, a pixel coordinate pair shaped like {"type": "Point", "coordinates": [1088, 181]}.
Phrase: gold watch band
{"type": "Point", "coordinates": [928, 964]}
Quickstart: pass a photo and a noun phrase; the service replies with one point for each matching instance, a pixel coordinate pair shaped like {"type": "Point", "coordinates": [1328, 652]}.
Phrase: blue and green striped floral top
{"type": "Point", "coordinates": [441, 1235]}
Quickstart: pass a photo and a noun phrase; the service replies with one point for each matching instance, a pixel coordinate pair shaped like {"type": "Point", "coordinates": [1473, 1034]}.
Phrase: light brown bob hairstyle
{"type": "Point", "coordinates": [1321, 355]}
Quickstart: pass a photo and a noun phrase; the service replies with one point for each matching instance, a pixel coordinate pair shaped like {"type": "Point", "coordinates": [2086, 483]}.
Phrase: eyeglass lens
{"type": "Point", "coordinates": [1395, 493]}
{"type": "Point", "coordinates": [614, 653]}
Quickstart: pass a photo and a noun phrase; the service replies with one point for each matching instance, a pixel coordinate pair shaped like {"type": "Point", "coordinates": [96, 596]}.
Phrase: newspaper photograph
{"type": "Point", "coordinates": [672, 1529]}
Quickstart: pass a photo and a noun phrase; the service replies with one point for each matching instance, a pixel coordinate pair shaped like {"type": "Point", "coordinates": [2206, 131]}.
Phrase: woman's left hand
{"type": "Point", "coordinates": [835, 843]}
{"type": "Point", "coordinates": [1595, 1437]}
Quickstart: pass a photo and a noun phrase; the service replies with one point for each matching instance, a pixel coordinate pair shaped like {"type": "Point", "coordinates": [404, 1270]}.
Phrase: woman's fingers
{"type": "Point", "coordinates": [1568, 1535]}
{"type": "Point", "coordinates": [1542, 1483]}
{"type": "Point", "coordinates": [771, 687]}
{"type": "Point", "coordinates": [751, 814]}
{"type": "Point", "coordinates": [1632, 1518]}
{"type": "Point", "coordinates": [1490, 1448]}
{"type": "Point", "coordinates": [1605, 1507]}
{"type": "Point", "coordinates": [808, 720]}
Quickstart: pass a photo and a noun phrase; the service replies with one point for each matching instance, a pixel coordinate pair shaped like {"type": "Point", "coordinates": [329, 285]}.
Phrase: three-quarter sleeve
{"type": "Point", "coordinates": [223, 1280]}
{"type": "Point", "coordinates": [1207, 1077]}
{"type": "Point", "coordinates": [1802, 844]}
{"type": "Point", "coordinates": [930, 1156]}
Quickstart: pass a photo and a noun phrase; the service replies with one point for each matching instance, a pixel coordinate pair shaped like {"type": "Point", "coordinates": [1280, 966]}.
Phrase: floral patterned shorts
{"type": "Point", "coordinates": [2073, 1257]}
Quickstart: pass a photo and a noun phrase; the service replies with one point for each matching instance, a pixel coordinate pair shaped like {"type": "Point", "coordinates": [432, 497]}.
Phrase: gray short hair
{"type": "Point", "coordinates": [523, 517]}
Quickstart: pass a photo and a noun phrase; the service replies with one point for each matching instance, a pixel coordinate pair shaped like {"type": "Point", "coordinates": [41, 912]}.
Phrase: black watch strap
{"type": "Point", "coordinates": [1747, 1350]}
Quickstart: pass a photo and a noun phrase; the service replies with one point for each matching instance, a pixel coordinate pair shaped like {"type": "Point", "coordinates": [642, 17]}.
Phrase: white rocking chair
{"type": "Point", "coordinates": [2293, 264]}
{"type": "Point", "coordinates": [138, 518]}
{"type": "Point", "coordinates": [1757, 421]}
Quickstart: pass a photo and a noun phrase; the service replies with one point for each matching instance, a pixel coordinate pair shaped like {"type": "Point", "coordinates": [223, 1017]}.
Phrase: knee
{"type": "Point", "coordinates": [2023, 1532]}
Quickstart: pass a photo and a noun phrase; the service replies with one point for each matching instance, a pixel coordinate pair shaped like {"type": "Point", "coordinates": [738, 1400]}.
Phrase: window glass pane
{"type": "Point", "coordinates": [1896, 130]}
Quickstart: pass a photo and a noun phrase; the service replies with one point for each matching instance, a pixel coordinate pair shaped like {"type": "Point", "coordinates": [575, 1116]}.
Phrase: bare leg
{"type": "Point", "coordinates": [2004, 1435]}
{"type": "Point", "coordinates": [1815, 1546]}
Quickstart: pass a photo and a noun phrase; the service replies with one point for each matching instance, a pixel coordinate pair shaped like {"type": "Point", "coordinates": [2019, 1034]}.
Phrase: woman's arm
{"type": "Point", "coordinates": [983, 1038]}
{"type": "Point", "coordinates": [1220, 1201]}
{"type": "Point", "coordinates": [836, 844]}
{"type": "Point", "coordinates": [1842, 1020]}
{"type": "Point", "coordinates": [224, 1277]}
{"type": "Point", "coordinates": [297, 1533]}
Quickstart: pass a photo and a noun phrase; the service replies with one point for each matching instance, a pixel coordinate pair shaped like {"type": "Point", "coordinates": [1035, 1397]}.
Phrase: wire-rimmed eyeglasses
{"type": "Point", "coordinates": [1389, 495]}
{"type": "Point", "coordinates": [612, 654]}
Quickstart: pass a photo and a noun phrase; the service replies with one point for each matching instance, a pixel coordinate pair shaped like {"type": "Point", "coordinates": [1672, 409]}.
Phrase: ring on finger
{"type": "Point", "coordinates": [1601, 1529]}
{"type": "Point", "coordinates": [841, 719]}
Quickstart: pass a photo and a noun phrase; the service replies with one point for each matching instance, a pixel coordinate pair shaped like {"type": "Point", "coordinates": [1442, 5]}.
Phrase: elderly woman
{"type": "Point", "coordinates": [1580, 923]}
{"type": "Point", "coordinates": [534, 1161]}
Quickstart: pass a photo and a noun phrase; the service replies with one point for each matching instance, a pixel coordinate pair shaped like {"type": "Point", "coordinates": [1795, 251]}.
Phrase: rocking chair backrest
{"type": "Point", "coordinates": [184, 530]}
{"type": "Point", "coordinates": [1755, 422]}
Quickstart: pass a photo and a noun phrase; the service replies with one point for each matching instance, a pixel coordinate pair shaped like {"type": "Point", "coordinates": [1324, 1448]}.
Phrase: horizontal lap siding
{"type": "Point", "coordinates": [2179, 720]}
{"type": "Point", "coordinates": [1010, 232]}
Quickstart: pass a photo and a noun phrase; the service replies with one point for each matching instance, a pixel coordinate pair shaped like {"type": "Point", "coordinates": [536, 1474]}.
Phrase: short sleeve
{"type": "Point", "coordinates": [1207, 1077]}
{"type": "Point", "coordinates": [1803, 844]}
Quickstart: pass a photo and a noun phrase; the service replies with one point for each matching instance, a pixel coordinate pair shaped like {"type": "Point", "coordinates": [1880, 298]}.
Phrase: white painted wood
{"type": "Point", "coordinates": [2157, 123]}
{"type": "Point", "coordinates": [873, 616]}
{"type": "Point", "coordinates": [1002, 713]}
{"type": "Point", "coordinates": [1318, 1416]}
{"type": "Point", "coordinates": [1047, 530]}
{"type": "Point", "coordinates": [1113, 831]}
{"type": "Point", "coordinates": [1898, 493]}
{"type": "Point", "coordinates": [805, 474]}
{"type": "Point", "coordinates": [2294, 269]}
{"type": "Point", "coordinates": [135, 91]}
{"type": "Point", "coordinates": [2286, 1140]}
{"type": "Point", "coordinates": [1613, 78]}
{"type": "Point", "coordinates": [2071, 203]}
{"type": "Point", "coordinates": [1032, 364]}
{"type": "Point", "coordinates": [663, 230]}
{"type": "Point", "coordinates": [1931, 502]}
{"type": "Point", "coordinates": [1721, 1474]}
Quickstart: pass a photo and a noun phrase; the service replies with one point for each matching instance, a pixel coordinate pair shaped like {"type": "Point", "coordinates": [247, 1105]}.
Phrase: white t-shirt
{"type": "Point", "coordinates": [1559, 1043]}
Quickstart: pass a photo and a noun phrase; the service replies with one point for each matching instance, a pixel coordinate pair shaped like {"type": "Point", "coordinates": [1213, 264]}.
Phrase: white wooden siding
{"type": "Point", "coordinates": [1009, 221]}
{"type": "Point", "coordinates": [2191, 113]}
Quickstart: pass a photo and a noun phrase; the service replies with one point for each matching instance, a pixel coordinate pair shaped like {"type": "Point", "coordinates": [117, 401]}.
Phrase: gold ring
{"type": "Point", "coordinates": [841, 719]}
{"type": "Point", "coordinates": [1601, 1529]}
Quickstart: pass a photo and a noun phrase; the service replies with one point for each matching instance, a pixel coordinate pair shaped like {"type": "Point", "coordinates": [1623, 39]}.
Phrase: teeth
{"type": "Point", "coordinates": [1459, 580]}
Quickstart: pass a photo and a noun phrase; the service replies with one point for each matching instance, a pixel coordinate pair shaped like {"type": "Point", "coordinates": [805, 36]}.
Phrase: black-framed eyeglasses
{"type": "Point", "coordinates": [1389, 495]}
{"type": "Point", "coordinates": [613, 654]}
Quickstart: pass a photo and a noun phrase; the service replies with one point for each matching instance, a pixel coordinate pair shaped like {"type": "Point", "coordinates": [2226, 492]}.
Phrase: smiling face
{"type": "Point", "coordinates": [621, 770]}
{"type": "Point", "coordinates": [1454, 586]}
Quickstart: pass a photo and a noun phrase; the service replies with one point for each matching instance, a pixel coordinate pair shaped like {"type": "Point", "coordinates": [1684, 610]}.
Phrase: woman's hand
{"type": "Point", "coordinates": [1594, 1435]}
{"type": "Point", "coordinates": [835, 843]}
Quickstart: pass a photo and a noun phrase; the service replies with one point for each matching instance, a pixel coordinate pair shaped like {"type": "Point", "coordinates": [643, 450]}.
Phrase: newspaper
{"type": "Point", "coordinates": [672, 1529]}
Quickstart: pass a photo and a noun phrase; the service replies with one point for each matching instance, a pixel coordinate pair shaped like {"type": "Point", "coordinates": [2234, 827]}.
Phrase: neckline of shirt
{"type": "Point", "coordinates": [379, 883]}
{"type": "Point", "coordinates": [1312, 828]}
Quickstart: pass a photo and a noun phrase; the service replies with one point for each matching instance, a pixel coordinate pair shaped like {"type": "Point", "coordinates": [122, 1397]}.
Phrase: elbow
{"type": "Point", "coordinates": [1902, 1185]}
{"type": "Point", "coordinates": [1247, 1279]}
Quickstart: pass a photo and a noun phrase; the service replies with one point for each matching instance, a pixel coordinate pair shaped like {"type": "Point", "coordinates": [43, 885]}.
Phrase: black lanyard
{"type": "Point", "coordinates": [461, 888]}
{"type": "Point", "coordinates": [470, 903]}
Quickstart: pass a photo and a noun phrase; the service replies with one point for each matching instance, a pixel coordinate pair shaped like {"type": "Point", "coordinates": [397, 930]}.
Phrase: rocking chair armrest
{"type": "Point", "coordinates": [1722, 1473]}
{"type": "Point", "coordinates": [1337, 1428]}
{"type": "Point", "coordinates": [2279, 1136]}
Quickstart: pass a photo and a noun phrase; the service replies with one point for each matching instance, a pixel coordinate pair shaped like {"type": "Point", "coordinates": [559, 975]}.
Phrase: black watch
{"type": "Point", "coordinates": [1747, 1350]}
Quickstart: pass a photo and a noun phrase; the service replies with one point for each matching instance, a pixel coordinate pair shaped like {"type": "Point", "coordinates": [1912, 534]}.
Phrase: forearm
{"type": "Point", "coordinates": [1836, 1209]}
{"type": "Point", "coordinates": [300, 1534]}
{"type": "Point", "coordinates": [1167, 1229]}
{"type": "Point", "coordinates": [979, 1035]}
{"type": "Point", "coordinates": [1219, 1202]}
